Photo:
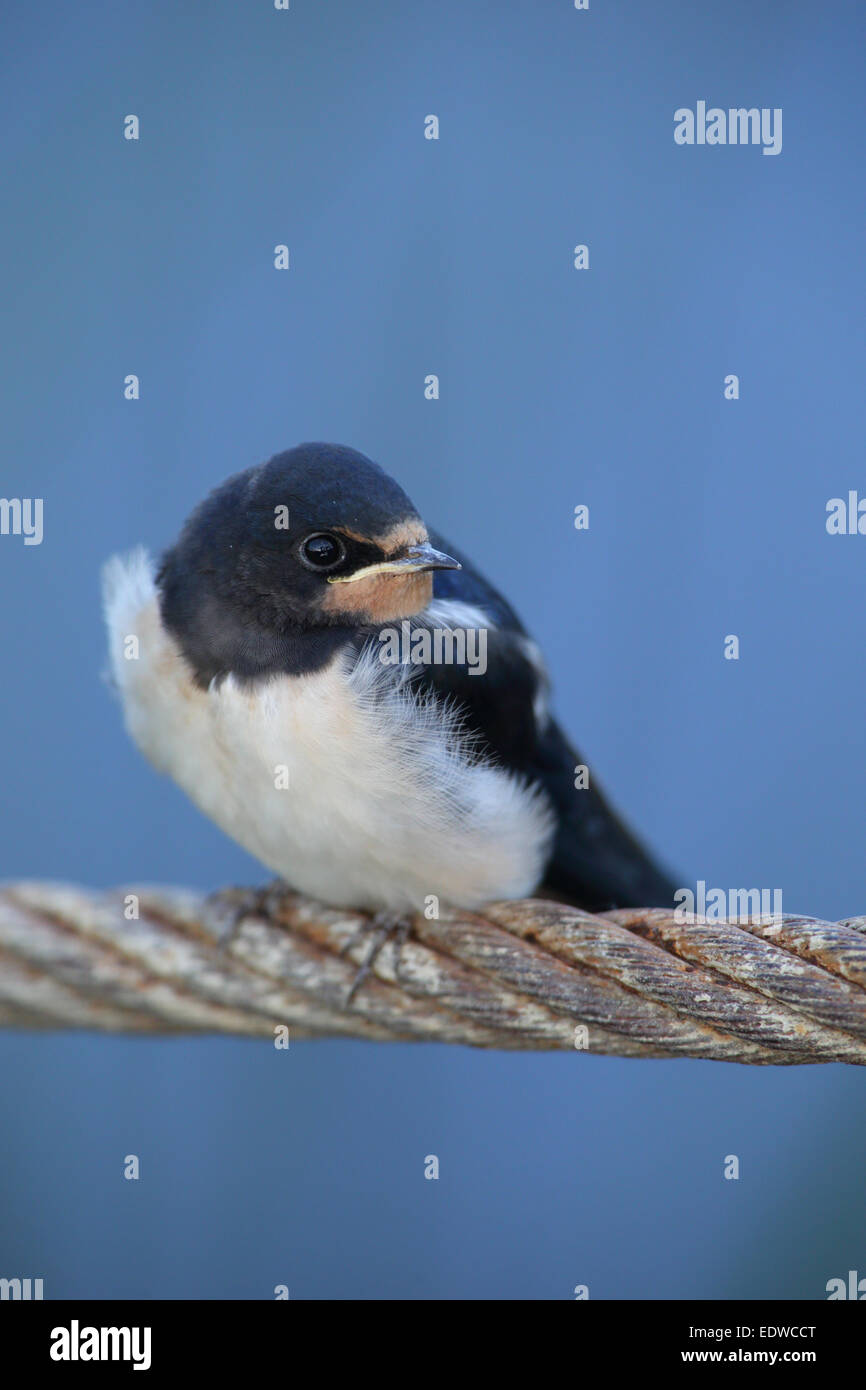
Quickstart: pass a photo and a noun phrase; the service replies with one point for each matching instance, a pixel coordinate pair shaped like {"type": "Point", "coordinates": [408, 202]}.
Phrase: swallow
{"type": "Point", "coordinates": [306, 663]}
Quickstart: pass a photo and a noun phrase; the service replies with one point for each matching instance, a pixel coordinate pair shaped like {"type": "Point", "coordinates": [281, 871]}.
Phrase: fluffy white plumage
{"type": "Point", "coordinates": [382, 808]}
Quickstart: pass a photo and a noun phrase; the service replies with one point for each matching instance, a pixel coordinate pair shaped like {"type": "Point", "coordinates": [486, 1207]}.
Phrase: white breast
{"type": "Point", "coordinates": [345, 784]}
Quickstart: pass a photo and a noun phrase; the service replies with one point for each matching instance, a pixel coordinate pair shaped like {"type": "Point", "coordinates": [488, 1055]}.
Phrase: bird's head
{"type": "Point", "coordinates": [317, 539]}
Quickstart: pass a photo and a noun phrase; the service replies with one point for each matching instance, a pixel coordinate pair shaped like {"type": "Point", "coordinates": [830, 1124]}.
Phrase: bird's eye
{"type": "Point", "coordinates": [322, 551]}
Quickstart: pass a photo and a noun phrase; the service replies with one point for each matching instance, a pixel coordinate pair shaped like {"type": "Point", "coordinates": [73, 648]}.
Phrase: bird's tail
{"type": "Point", "coordinates": [597, 863]}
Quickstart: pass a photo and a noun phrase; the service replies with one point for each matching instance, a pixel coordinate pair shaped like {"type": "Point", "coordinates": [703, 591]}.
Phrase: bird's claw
{"type": "Point", "coordinates": [384, 926]}
{"type": "Point", "coordinates": [231, 905]}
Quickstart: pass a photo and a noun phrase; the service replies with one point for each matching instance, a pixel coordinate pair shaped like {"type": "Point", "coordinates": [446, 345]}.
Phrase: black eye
{"type": "Point", "coordinates": [322, 551]}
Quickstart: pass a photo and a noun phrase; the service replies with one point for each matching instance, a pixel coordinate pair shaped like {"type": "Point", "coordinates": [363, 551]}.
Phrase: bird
{"type": "Point", "coordinates": [347, 697]}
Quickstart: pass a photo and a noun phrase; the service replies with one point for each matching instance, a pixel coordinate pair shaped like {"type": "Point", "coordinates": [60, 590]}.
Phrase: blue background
{"type": "Point", "coordinates": [558, 387]}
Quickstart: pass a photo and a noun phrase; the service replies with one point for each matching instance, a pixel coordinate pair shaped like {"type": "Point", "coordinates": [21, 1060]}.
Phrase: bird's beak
{"type": "Point", "coordinates": [415, 558]}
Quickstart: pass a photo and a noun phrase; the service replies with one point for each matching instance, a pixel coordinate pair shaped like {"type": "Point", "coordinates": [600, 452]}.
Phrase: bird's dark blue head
{"type": "Point", "coordinates": [285, 561]}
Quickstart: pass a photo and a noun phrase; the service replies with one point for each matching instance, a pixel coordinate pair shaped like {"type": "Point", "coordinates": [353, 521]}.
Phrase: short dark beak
{"type": "Point", "coordinates": [424, 557]}
{"type": "Point", "coordinates": [414, 559]}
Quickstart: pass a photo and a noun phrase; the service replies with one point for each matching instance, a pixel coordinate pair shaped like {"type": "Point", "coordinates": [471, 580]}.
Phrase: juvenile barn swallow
{"type": "Point", "coordinates": [281, 677]}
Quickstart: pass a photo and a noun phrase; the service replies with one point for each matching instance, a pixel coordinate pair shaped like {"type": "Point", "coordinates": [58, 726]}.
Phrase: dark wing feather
{"type": "Point", "coordinates": [596, 862]}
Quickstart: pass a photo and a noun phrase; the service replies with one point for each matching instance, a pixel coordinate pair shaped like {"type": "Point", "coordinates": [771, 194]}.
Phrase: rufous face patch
{"type": "Point", "coordinates": [381, 597]}
{"type": "Point", "coordinates": [384, 595]}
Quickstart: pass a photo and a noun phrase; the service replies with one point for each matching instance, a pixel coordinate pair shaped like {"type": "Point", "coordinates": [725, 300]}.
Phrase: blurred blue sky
{"type": "Point", "coordinates": [454, 257]}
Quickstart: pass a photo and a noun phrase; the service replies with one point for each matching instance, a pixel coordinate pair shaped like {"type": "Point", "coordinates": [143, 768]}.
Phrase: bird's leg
{"type": "Point", "coordinates": [234, 904]}
{"type": "Point", "coordinates": [383, 926]}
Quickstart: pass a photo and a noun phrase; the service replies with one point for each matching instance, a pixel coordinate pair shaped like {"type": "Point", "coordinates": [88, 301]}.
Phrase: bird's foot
{"type": "Point", "coordinates": [229, 907]}
{"type": "Point", "coordinates": [384, 926]}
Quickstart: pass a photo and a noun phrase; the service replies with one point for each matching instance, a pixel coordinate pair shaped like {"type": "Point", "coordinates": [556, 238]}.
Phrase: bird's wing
{"type": "Point", "coordinates": [596, 862]}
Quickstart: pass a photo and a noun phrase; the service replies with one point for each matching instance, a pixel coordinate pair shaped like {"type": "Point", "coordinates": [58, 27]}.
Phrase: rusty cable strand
{"type": "Point", "coordinates": [522, 975]}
